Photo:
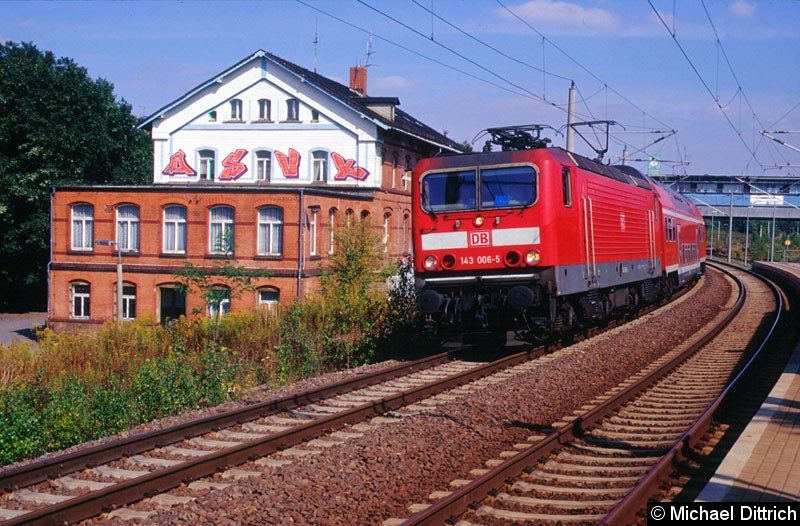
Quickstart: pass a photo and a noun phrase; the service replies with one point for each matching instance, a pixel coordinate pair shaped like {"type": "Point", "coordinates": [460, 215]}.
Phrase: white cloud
{"type": "Point", "coordinates": [390, 84]}
{"type": "Point", "coordinates": [564, 14]}
{"type": "Point", "coordinates": [743, 9]}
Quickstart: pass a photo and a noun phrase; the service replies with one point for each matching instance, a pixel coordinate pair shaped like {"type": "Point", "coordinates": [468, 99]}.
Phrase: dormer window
{"type": "Point", "coordinates": [264, 110]}
{"type": "Point", "coordinates": [236, 110]}
{"type": "Point", "coordinates": [292, 110]}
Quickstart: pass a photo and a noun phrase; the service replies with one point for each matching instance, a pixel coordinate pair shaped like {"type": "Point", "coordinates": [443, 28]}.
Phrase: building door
{"type": "Point", "coordinates": [172, 304]}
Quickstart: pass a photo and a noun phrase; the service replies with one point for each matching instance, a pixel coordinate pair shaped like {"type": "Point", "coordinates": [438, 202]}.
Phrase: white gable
{"type": "Point", "coordinates": [259, 117]}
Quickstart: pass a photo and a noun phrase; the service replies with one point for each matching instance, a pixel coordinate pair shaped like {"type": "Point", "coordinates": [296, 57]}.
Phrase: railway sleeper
{"type": "Point", "coordinates": [565, 504]}
{"type": "Point", "coordinates": [488, 511]}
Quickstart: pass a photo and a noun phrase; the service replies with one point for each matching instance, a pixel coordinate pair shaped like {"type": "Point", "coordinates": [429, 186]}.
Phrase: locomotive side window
{"type": "Point", "coordinates": [508, 186]}
{"type": "Point", "coordinates": [447, 191]}
{"type": "Point", "coordinates": [566, 186]}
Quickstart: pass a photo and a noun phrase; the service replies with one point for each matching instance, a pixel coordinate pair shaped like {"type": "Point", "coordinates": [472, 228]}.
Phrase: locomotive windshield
{"type": "Point", "coordinates": [500, 187]}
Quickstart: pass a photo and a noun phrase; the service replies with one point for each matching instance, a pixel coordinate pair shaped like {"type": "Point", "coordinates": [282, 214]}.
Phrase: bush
{"type": "Point", "coordinates": [81, 385]}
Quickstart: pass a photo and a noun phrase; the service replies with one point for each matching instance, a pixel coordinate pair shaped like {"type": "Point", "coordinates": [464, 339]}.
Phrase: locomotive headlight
{"type": "Point", "coordinates": [478, 221]}
{"type": "Point", "coordinates": [431, 263]}
{"type": "Point", "coordinates": [533, 257]}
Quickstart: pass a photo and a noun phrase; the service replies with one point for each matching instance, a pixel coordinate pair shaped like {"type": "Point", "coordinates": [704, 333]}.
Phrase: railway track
{"type": "Point", "coordinates": [602, 464]}
{"type": "Point", "coordinates": [86, 483]}
{"type": "Point", "coordinates": [79, 485]}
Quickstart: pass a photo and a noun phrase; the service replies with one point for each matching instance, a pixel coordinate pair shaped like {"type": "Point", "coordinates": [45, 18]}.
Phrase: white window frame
{"type": "Point", "coordinates": [406, 177]}
{"type": "Point", "coordinates": [174, 242]}
{"type": "Point", "coordinates": [128, 301]}
{"type": "Point", "coordinates": [82, 217]}
{"type": "Point", "coordinates": [224, 225]}
{"type": "Point", "coordinates": [319, 166]}
{"type": "Point", "coordinates": [263, 165]}
{"type": "Point", "coordinates": [236, 109]}
{"type": "Point", "coordinates": [270, 231]}
{"type": "Point", "coordinates": [224, 304]}
{"type": "Point", "coordinates": [331, 230]}
{"type": "Point", "coordinates": [82, 310]}
{"type": "Point", "coordinates": [312, 232]}
{"type": "Point", "coordinates": [264, 110]}
{"type": "Point", "coordinates": [387, 221]}
{"type": "Point", "coordinates": [268, 298]}
{"type": "Point", "coordinates": [206, 162]}
{"type": "Point", "coordinates": [293, 109]}
{"type": "Point", "coordinates": [128, 232]}
{"type": "Point", "coordinates": [395, 158]}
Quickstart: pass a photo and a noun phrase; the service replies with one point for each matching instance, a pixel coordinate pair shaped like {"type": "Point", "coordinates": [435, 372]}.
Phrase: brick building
{"type": "Point", "coordinates": [266, 154]}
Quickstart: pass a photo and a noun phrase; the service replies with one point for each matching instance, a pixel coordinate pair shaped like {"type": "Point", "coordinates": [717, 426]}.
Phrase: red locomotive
{"type": "Point", "coordinates": [537, 239]}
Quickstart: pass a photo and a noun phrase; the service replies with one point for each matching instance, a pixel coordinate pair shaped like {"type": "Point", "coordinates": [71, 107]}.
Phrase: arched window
{"type": "Point", "coordinates": [270, 231]}
{"type": "Point", "coordinates": [220, 240]}
{"type": "Point", "coordinates": [269, 298]}
{"type": "Point", "coordinates": [219, 301]}
{"type": "Point", "coordinates": [128, 228]}
{"type": "Point", "coordinates": [331, 230]}
{"type": "Point", "coordinates": [171, 302]}
{"type": "Point", "coordinates": [128, 301]}
{"type": "Point", "coordinates": [319, 166]}
{"type": "Point", "coordinates": [263, 165]}
{"type": "Point", "coordinates": [394, 169]}
{"type": "Point", "coordinates": [406, 231]}
{"type": "Point", "coordinates": [312, 230]}
{"type": "Point", "coordinates": [82, 227]}
{"type": "Point", "coordinates": [387, 221]}
{"type": "Point", "coordinates": [407, 173]}
{"type": "Point", "coordinates": [206, 162]}
{"type": "Point", "coordinates": [80, 300]}
{"type": "Point", "coordinates": [175, 229]}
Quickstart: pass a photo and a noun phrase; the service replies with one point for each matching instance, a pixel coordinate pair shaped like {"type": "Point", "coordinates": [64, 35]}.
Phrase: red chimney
{"type": "Point", "coordinates": [358, 80]}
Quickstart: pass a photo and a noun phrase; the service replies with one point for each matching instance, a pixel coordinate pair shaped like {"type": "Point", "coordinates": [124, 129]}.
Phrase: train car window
{"type": "Point", "coordinates": [508, 186]}
{"type": "Point", "coordinates": [566, 186]}
{"type": "Point", "coordinates": [447, 191]}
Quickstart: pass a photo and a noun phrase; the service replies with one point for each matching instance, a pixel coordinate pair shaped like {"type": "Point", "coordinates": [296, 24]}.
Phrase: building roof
{"type": "Point", "coordinates": [402, 121]}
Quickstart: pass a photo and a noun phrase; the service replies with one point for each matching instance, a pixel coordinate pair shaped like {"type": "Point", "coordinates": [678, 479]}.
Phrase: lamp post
{"type": "Point", "coordinates": [109, 243]}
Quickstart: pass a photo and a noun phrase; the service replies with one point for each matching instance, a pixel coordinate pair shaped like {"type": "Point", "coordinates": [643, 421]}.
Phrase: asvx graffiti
{"type": "Point", "coordinates": [347, 168]}
{"type": "Point", "coordinates": [290, 165]}
{"type": "Point", "coordinates": [234, 167]}
{"type": "Point", "coordinates": [178, 165]}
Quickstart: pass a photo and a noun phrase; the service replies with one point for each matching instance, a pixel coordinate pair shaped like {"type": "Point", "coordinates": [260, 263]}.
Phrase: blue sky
{"type": "Point", "coordinates": [718, 72]}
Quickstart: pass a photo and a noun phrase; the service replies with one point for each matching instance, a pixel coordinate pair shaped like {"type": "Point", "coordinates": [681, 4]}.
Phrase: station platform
{"type": "Point", "coordinates": [764, 463]}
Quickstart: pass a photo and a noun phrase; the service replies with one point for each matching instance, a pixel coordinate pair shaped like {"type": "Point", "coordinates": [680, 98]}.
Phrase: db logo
{"type": "Point", "coordinates": [479, 239]}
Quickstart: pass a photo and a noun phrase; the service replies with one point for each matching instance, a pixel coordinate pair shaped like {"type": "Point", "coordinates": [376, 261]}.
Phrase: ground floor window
{"type": "Point", "coordinates": [268, 298]}
{"type": "Point", "coordinates": [81, 296]}
{"type": "Point", "coordinates": [219, 302]}
{"type": "Point", "coordinates": [129, 302]}
{"type": "Point", "coordinates": [172, 304]}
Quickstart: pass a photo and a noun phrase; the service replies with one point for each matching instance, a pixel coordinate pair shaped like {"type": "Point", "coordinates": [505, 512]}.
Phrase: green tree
{"type": "Point", "coordinates": [58, 126]}
{"type": "Point", "coordinates": [218, 284]}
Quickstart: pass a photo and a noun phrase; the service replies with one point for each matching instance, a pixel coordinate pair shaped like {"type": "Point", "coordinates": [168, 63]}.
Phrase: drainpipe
{"type": "Point", "coordinates": [50, 263]}
{"type": "Point", "coordinates": [300, 252]}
